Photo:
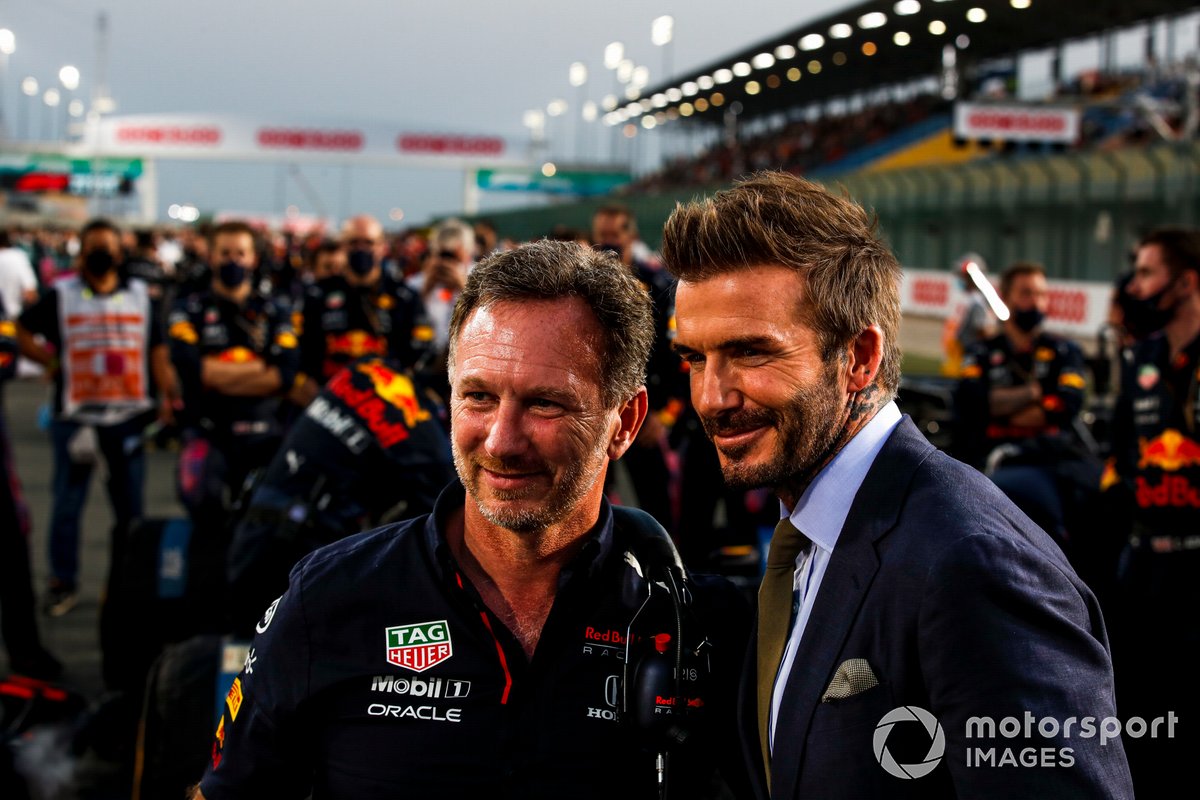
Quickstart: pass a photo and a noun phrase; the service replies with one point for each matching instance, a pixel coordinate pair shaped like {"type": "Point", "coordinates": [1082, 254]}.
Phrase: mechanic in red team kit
{"type": "Point", "coordinates": [526, 639]}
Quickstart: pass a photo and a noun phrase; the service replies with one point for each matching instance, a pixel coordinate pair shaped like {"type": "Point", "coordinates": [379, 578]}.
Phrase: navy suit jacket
{"type": "Point", "coordinates": [963, 607]}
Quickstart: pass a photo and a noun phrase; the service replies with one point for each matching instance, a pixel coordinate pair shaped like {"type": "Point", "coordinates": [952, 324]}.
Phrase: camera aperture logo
{"type": "Point", "coordinates": [937, 745]}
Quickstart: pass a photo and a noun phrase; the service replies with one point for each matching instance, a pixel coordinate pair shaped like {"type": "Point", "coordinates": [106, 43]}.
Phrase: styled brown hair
{"type": "Point", "coordinates": [1010, 275]}
{"type": "Point", "coordinates": [549, 270]}
{"type": "Point", "coordinates": [851, 279]}
{"type": "Point", "coordinates": [233, 226]}
{"type": "Point", "coordinates": [1180, 247]}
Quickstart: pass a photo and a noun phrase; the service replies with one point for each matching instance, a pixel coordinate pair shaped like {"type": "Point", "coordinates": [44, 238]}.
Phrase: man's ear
{"type": "Point", "coordinates": [866, 351]}
{"type": "Point", "coordinates": [630, 418]}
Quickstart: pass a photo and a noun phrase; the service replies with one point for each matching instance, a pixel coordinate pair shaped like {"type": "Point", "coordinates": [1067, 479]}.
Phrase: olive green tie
{"type": "Point", "coordinates": [775, 597]}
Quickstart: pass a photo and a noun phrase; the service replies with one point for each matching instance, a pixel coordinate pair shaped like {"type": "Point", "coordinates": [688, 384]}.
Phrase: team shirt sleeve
{"type": "Point", "coordinates": [263, 746]}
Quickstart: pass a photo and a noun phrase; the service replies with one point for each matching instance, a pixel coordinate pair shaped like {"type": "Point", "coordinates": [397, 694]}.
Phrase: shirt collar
{"type": "Point", "coordinates": [822, 509]}
{"type": "Point", "coordinates": [593, 554]}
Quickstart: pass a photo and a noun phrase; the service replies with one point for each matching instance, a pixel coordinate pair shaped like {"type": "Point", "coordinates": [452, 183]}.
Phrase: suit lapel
{"type": "Point", "coordinates": [851, 569]}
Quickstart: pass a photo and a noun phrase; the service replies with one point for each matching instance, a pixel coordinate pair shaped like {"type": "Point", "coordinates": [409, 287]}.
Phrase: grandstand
{"type": "Point", "coordinates": [867, 97]}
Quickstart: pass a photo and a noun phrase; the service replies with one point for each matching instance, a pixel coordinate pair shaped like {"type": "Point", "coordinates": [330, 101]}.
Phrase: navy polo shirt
{"type": "Point", "coordinates": [381, 673]}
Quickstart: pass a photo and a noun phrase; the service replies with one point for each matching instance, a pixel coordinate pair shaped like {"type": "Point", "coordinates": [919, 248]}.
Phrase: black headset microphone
{"type": "Point", "coordinates": [652, 697]}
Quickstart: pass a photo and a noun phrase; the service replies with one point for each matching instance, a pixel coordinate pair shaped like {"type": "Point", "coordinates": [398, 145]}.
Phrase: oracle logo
{"type": "Point", "coordinates": [1069, 305]}
{"type": "Point", "coordinates": [309, 139]}
{"type": "Point", "coordinates": [930, 292]}
{"type": "Point", "coordinates": [1034, 123]}
{"type": "Point", "coordinates": [450, 145]}
{"type": "Point", "coordinates": [170, 134]}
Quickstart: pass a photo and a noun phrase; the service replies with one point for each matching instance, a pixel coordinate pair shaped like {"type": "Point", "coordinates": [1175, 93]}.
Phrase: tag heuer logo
{"type": "Point", "coordinates": [418, 647]}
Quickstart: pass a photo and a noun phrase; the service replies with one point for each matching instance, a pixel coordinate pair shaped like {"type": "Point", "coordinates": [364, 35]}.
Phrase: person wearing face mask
{"type": "Point", "coordinates": [1021, 390]}
{"type": "Point", "coordinates": [104, 350]}
{"type": "Point", "coordinates": [359, 312]}
{"type": "Point", "coordinates": [1156, 467]}
{"type": "Point", "coordinates": [236, 355]}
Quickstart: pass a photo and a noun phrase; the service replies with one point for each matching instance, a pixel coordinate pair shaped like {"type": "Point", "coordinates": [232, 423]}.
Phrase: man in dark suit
{"type": "Point", "coordinates": [917, 635]}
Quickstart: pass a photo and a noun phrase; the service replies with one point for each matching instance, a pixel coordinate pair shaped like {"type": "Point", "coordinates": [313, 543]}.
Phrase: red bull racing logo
{"type": "Point", "coordinates": [396, 390]}
{"type": "Point", "coordinates": [388, 390]}
{"type": "Point", "coordinates": [1171, 451]}
{"type": "Point", "coordinates": [419, 646]}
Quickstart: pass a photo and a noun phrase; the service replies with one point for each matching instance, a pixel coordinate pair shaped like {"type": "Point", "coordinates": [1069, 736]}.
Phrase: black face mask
{"type": "Point", "coordinates": [1143, 317]}
{"type": "Point", "coordinates": [232, 274]}
{"type": "Point", "coordinates": [1028, 319]}
{"type": "Point", "coordinates": [99, 263]}
{"type": "Point", "coordinates": [361, 262]}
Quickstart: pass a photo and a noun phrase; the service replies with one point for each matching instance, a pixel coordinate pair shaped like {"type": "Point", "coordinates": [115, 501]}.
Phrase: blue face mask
{"type": "Point", "coordinates": [361, 262]}
{"type": "Point", "coordinates": [232, 274]}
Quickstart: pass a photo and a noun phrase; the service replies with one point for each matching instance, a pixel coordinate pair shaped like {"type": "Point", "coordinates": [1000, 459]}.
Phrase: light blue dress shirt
{"type": "Point", "coordinates": [820, 514]}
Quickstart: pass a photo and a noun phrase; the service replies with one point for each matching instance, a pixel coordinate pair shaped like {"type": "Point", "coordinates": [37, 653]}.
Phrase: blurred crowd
{"type": "Point", "coordinates": [302, 382]}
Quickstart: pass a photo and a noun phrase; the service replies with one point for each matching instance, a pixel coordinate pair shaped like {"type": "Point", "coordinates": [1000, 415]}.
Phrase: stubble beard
{"type": "Point", "coordinates": [575, 481]}
{"type": "Point", "coordinates": [808, 428]}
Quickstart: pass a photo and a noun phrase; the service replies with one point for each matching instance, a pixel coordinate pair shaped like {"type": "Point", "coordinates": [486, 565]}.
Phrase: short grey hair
{"type": "Point", "coordinates": [549, 270]}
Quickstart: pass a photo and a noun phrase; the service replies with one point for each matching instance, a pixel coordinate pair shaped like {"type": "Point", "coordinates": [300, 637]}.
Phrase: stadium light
{"type": "Point", "coordinates": [784, 52]}
{"type": "Point", "coordinates": [689, 88]}
{"type": "Point", "coordinates": [625, 70]}
{"type": "Point", "coordinates": [548, 169]}
{"type": "Point", "coordinates": [51, 97]}
{"type": "Point", "coordinates": [8, 42]}
{"type": "Point", "coordinates": [590, 111]}
{"type": "Point", "coordinates": [648, 122]}
{"type": "Point", "coordinates": [1020, 5]}
{"type": "Point", "coordinates": [640, 77]}
{"type": "Point", "coordinates": [662, 29]}
{"type": "Point", "coordinates": [659, 100]}
{"type": "Point", "coordinates": [613, 54]}
{"type": "Point", "coordinates": [741, 69]}
{"type": "Point", "coordinates": [29, 86]}
{"type": "Point", "coordinates": [875, 19]}
{"type": "Point", "coordinates": [723, 76]}
{"type": "Point", "coordinates": [609, 103]}
{"type": "Point", "coordinates": [75, 108]}
{"type": "Point", "coordinates": [705, 82]}
{"type": "Point", "coordinates": [577, 75]}
{"type": "Point", "coordinates": [763, 61]}
{"type": "Point", "coordinates": [813, 41]}
{"type": "Point", "coordinates": [632, 92]}
{"type": "Point", "coordinates": [674, 95]}
{"type": "Point", "coordinates": [68, 76]}
{"type": "Point", "coordinates": [901, 38]}
{"type": "Point", "coordinates": [906, 7]}
{"type": "Point", "coordinates": [976, 15]}
{"type": "Point", "coordinates": [937, 27]}
{"type": "Point", "coordinates": [556, 108]}
{"type": "Point", "coordinates": [840, 31]}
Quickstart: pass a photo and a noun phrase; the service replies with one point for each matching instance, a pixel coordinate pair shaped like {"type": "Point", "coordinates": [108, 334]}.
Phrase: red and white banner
{"type": "Point", "coordinates": [231, 137]}
{"type": "Point", "coordinates": [1016, 123]}
{"type": "Point", "coordinates": [1077, 308]}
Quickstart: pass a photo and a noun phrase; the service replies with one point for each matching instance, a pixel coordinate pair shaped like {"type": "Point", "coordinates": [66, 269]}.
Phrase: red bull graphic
{"type": "Point", "coordinates": [1173, 491]}
{"type": "Point", "coordinates": [341, 348]}
{"type": "Point", "coordinates": [388, 389]}
{"type": "Point", "coordinates": [237, 355]}
{"type": "Point", "coordinates": [396, 389]}
{"type": "Point", "coordinates": [1171, 451]}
